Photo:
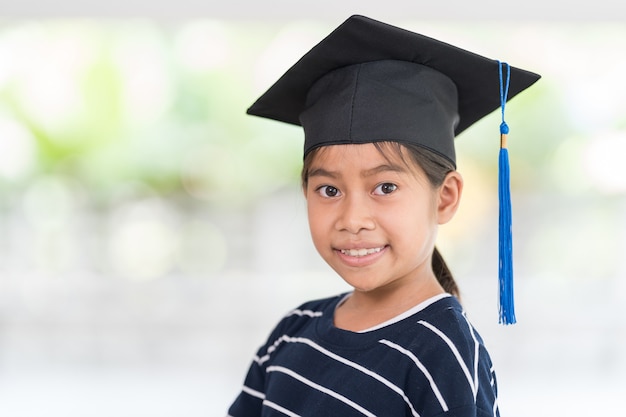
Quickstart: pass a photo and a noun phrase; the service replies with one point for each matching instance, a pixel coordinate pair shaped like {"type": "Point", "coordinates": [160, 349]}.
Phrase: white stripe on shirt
{"type": "Point", "coordinates": [301, 313]}
{"type": "Point", "coordinates": [270, 350]}
{"type": "Point", "coordinates": [476, 353]}
{"type": "Point", "coordinates": [253, 392]}
{"type": "Point", "coordinates": [422, 368]}
{"type": "Point", "coordinates": [320, 388]}
{"type": "Point", "coordinates": [280, 409]}
{"type": "Point", "coordinates": [455, 351]}
{"type": "Point", "coordinates": [277, 342]}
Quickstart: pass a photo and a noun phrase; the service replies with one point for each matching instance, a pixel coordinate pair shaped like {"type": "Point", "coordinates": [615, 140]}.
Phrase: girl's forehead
{"type": "Point", "coordinates": [360, 154]}
{"type": "Point", "coordinates": [364, 160]}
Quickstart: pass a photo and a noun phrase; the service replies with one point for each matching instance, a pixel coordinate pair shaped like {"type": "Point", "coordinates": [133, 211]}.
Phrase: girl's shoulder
{"type": "Point", "coordinates": [444, 325]}
{"type": "Point", "coordinates": [444, 310]}
{"type": "Point", "coordinates": [317, 306]}
{"type": "Point", "coordinates": [306, 314]}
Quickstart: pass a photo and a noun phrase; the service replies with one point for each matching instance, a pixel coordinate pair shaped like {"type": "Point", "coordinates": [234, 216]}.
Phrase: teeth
{"type": "Point", "coordinates": [360, 252]}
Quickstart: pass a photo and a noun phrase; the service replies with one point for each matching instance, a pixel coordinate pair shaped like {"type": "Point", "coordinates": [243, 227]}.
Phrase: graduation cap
{"type": "Point", "coordinates": [369, 81]}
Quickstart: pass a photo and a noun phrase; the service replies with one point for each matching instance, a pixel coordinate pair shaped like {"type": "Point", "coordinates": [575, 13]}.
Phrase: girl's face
{"type": "Point", "coordinates": [374, 218]}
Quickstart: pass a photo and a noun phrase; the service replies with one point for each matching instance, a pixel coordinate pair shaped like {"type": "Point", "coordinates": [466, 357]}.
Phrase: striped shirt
{"type": "Point", "coordinates": [428, 363]}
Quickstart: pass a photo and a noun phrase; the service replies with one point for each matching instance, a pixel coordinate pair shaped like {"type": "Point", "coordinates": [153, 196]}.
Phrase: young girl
{"type": "Point", "coordinates": [380, 107]}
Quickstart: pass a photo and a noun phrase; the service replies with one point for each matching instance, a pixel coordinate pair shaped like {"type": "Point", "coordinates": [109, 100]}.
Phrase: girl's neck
{"type": "Point", "coordinates": [363, 310]}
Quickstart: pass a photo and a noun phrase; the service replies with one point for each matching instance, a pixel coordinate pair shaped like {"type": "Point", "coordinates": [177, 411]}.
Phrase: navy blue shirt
{"type": "Point", "coordinates": [429, 363]}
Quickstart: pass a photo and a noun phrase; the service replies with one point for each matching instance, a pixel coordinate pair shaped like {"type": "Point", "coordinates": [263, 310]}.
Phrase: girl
{"type": "Point", "coordinates": [380, 107]}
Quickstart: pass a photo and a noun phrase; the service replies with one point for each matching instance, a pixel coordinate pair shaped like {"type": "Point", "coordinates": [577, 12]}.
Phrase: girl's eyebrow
{"type": "Point", "coordinates": [321, 172]}
{"type": "Point", "coordinates": [383, 168]}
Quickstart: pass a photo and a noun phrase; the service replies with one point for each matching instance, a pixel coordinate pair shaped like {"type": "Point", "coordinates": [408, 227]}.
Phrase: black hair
{"type": "Point", "coordinates": [435, 167]}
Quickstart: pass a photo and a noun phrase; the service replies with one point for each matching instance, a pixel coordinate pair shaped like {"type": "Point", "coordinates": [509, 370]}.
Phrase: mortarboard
{"type": "Point", "coordinates": [369, 81]}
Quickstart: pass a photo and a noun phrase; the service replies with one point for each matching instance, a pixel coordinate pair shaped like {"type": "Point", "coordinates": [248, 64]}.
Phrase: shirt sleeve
{"type": "Point", "coordinates": [249, 402]}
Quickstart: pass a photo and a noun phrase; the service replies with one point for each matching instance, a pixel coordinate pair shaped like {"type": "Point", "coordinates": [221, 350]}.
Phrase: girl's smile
{"type": "Point", "coordinates": [362, 256]}
{"type": "Point", "coordinates": [360, 252]}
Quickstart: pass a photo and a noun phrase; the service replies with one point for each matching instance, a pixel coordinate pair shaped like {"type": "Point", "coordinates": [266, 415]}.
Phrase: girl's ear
{"type": "Point", "coordinates": [449, 197]}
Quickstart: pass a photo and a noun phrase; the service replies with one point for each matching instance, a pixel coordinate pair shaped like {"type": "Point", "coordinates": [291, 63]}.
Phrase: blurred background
{"type": "Point", "coordinates": [152, 234]}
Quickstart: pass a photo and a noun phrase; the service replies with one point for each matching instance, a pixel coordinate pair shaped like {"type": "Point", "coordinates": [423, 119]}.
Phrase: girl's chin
{"type": "Point", "coordinates": [366, 283]}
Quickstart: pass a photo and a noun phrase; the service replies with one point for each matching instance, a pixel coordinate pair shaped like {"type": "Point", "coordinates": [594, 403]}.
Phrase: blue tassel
{"type": "Point", "coordinates": [505, 273]}
{"type": "Point", "coordinates": [505, 270]}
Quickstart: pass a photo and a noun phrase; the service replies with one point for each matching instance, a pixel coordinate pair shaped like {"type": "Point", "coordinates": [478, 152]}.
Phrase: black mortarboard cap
{"type": "Point", "coordinates": [369, 81]}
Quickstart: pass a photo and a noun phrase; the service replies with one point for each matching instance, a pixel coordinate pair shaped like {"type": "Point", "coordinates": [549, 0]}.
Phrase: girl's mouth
{"type": "Point", "coordinates": [360, 252]}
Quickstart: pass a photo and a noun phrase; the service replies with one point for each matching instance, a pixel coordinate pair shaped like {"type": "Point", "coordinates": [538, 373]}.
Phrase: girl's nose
{"type": "Point", "coordinates": [356, 215]}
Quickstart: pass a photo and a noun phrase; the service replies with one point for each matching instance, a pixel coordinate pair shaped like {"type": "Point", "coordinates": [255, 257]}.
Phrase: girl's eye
{"type": "Point", "coordinates": [328, 191]}
{"type": "Point", "coordinates": [385, 188]}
